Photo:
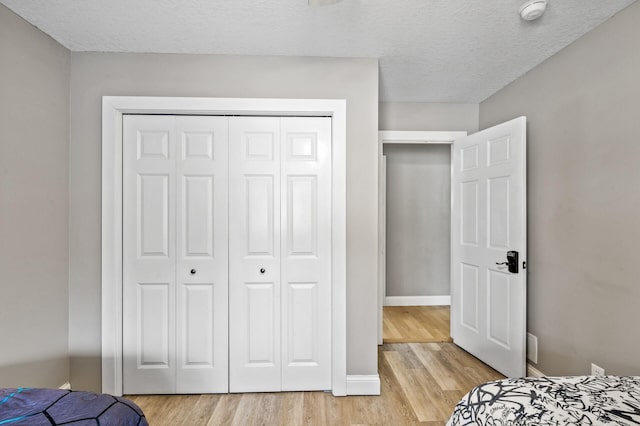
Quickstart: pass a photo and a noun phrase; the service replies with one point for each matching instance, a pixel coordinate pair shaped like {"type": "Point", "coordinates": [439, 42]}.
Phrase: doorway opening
{"type": "Point", "coordinates": [415, 219]}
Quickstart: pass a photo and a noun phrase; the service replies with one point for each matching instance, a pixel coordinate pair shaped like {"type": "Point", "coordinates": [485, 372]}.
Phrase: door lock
{"type": "Point", "coordinates": [512, 262]}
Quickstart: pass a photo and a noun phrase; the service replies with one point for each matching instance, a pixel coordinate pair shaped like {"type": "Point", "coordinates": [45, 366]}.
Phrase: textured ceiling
{"type": "Point", "coordinates": [429, 50]}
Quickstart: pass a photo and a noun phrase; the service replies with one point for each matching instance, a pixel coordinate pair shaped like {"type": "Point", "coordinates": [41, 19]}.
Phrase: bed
{"type": "Point", "coordinates": [33, 407]}
{"type": "Point", "coordinates": [582, 400]}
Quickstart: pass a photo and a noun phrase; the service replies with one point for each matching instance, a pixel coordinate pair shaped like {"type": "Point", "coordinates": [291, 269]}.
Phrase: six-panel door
{"type": "Point", "coordinates": [489, 219]}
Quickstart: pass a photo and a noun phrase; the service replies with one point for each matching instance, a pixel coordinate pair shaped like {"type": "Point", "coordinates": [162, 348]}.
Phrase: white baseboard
{"type": "Point", "coordinates": [363, 385]}
{"type": "Point", "coordinates": [534, 372]}
{"type": "Point", "coordinates": [417, 300]}
{"type": "Point", "coordinates": [66, 386]}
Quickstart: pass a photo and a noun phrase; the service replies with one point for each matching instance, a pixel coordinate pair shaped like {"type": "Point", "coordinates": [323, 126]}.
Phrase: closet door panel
{"type": "Point", "coordinates": [254, 248]}
{"type": "Point", "coordinates": [149, 255]}
{"type": "Point", "coordinates": [306, 253]}
{"type": "Point", "coordinates": [175, 254]}
{"type": "Point", "coordinates": [202, 255]}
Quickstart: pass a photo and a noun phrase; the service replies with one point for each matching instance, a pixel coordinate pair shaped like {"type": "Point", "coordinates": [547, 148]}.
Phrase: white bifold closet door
{"type": "Point", "coordinates": [175, 254]}
{"type": "Point", "coordinates": [226, 254]}
{"type": "Point", "coordinates": [280, 254]}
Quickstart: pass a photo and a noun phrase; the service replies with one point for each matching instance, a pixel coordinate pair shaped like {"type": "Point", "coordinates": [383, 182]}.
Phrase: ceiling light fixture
{"type": "Point", "coordinates": [533, 9]}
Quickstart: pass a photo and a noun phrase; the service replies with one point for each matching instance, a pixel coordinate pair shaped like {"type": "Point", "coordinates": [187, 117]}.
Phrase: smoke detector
{"type": "Point", "coordinates": [533, 9]}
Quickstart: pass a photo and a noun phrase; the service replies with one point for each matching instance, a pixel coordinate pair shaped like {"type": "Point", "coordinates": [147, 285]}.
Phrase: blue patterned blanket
{"type": "Point", "coordinates": [33, 407]}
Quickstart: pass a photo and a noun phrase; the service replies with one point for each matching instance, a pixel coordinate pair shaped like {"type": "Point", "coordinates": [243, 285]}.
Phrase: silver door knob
{"type": "Point", "coordinates": [193, 272]}
{"type": "Point", "coordinates": [262, 270]}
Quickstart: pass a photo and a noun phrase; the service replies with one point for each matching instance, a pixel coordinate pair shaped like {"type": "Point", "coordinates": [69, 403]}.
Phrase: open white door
{"type": "Point", "coordinates": [488, 312]}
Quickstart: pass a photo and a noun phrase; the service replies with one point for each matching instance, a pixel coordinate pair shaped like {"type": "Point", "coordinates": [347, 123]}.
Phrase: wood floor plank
{"type": "Point", "coordinates": [314, 408]}
{"type": "Point", "coordinates": [335, 409]}
{"type": "Point", "coordinates": [249, 410]}
{"type": "Point", "coordinates": [291, 407]}
{"type": "Point", "coordinates": [391, 391]}
{"type": "Point", "coordinates": [409, 357]}
{"type": "Point", "coordinates": [445, 377]}
{"type": "Point", "coordinates": [437, 401]}
{"type": "Point", "coordinates": [413, 392]}
{"type": "Point", "coordinates": [469, 369]}
{"type": "Point", "coordinates": [225, 410]}
{"type": "Point", "coordinates": [270, 409]}
{"type": "Point", "coordinates": [389, 328]}
{"type": "Point", "coordinates": [203, 409]}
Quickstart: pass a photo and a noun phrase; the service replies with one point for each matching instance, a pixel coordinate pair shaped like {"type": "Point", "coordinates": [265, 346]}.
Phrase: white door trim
{"type": "Point", "coordinates": [398, 137]}
{"type": "Point", "coordinates": [113, 107]}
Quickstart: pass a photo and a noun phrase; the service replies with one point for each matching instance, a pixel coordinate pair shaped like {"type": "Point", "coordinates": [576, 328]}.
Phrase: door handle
{"type": "Point", "coordinates": [193, 272]}
{"type": "Point", "coordinates": [262, 270]}
{"type": "Point", "coordinates": [512, 262]}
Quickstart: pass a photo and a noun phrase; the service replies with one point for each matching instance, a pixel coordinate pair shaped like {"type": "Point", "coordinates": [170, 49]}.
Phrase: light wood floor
{"type": "Point", "coordinates": [420, 384]}
{"type": "Point", "coordinates": [411, 324]}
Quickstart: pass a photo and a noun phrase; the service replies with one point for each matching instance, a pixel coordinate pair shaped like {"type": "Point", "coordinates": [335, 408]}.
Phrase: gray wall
{"type": "Point", "coordinates": [418, 219]}
{"type": "Point", "coordinates": [428, 116]}
{"type": "Point", "coordinates": [95, 74]}
{"type": "Point", "coordinates": [584, 197]}
{"type": "Point", "coordinates": [34, 134]}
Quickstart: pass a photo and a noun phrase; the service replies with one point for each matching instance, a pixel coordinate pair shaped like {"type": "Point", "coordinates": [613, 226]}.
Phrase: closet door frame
{"type": "Point", "coordinates": [113, 108]}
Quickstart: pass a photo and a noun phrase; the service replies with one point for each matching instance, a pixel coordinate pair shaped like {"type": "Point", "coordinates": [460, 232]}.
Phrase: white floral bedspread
{"type": "Point", "coordinates": [581, 400]}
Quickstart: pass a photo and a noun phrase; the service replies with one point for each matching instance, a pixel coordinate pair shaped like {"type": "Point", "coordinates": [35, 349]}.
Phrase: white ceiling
{"type": "Point", "coordinates": [429, 50]}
